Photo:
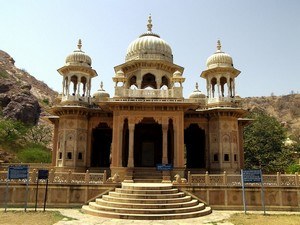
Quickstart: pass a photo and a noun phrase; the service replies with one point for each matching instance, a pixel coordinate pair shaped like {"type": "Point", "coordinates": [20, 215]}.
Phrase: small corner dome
{"type": "Point", "coordinates": [101, 93]}
{"type": "Point", "coordinates": [219, 59]}
{"type": "Point", "coordinates": [149, 46]}
{"type": "Point", "coordinates": [177, 74]}
{"type": "Point", "coordinates": [120, 73]}
{"type": "Point", "coordinates": [78, 57]}
{"type": "Point", "coordinates": [197, 94]}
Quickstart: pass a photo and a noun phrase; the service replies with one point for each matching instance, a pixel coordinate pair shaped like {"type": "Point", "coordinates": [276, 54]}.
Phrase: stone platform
{"type": "Point", "coordinates": [147, 201]}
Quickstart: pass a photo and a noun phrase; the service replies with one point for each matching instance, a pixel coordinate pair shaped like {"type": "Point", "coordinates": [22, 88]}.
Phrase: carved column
{"type": "Point", "coordinates": [165, 143]}
{"type": "Point", "coordinates": [131, 127]}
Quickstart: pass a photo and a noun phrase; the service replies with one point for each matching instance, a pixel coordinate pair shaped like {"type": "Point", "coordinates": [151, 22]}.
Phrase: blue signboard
{"type": "Point", "coordinates": [251, 176]}
{"type": "Point", "coordinates": [164, 167]}
{"type": "Point", "coordinates": [18, 172]}
{"type": "Point", "coordinates": [43, 174]}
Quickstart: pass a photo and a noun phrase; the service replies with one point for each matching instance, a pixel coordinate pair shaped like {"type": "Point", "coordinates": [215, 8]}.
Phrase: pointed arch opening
{"type": "Point", "coordinates": [194, 140]}
{"type": "Point", "coordinates": [164, 81]}
{"type": "Point", "coordinates": [224, 88]}
{"type": "Point", "coordinates": [213, 83]}
{"type": "Point", "coordinates": [149, 81]}
{"type": "Point", "coordinates": [101, 145]}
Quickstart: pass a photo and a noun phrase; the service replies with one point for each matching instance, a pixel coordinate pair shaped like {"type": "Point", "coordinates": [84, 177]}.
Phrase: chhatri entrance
{"type": "Point", "coordinates": [147, 144]}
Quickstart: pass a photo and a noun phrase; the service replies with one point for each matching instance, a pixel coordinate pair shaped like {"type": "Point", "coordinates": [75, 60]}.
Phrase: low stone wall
{"type": "Point", "coordinates": [220, 191]}
{"type": "Point", "coordinates": [231, 198]}
{"type": "Point", "coordinates": [63, 195]}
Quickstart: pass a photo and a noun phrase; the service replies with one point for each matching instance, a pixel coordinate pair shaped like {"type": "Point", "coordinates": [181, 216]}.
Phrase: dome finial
{"type": "Point", "coordinates": [149, 25]}
{"type": "Point", "coordinates": [101, 85]}
{"type": "Point", "coordinates": [219, 45]}
{"type": "Point", "coordinates": [79, 45]}
{"type": "Point", "coordinates": [197, 86]}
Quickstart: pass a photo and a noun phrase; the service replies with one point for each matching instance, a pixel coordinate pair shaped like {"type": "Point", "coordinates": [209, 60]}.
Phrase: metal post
{"type": "Point", "coordinates": [6, 193]}
{"type": "Point", "coordinates": [45, 199]}
{"type": "Point", "coordinates": [243, 187]}
{"type": "Point", "coordinates": [36, 193]}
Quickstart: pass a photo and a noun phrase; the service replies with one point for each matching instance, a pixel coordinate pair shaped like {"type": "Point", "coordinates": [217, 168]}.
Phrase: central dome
{"type": "Point", "coordinates": [149, 46]}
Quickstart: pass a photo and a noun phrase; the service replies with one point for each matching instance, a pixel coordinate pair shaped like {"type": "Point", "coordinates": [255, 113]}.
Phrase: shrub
{"type": "Point", "coordinates": [34, 154]}
{"type": "Point", "coordinates": [293, 168]}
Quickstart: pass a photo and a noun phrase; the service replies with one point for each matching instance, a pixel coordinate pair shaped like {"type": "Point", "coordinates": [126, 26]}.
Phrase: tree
{"type": "Point", "coordinates": [11, 130]}
{"type": "Point", "coordinates": [264, 144]}
{"type": "Point", "coordinates": [39, 134]}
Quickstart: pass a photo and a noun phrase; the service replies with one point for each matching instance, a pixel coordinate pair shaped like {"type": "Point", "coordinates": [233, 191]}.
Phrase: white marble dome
{"type": "Point", "coordinates": [149, 46]}
{"type": "Point", "coordinates": [78, 57]}
{"type": "Point", "coordinates": [219, 59]}
{"type": "Point", "coordinates": [197, 94]}
{"type": "Point", "coordinates": [101, 94]}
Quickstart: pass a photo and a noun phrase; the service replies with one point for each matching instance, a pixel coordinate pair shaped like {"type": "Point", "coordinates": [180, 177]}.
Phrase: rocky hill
{"type": "Point", "coordinates": [22, 96]}
{"type": "Point", "coordinates": [285, 108]}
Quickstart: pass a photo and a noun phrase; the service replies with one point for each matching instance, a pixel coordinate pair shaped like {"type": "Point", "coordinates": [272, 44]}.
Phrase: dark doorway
{"type": "Point", "coordinates": [125, 143]}
{"type": "Point", "coordinates": [147, 143]}
{"type": "Point", "coordinates": [101, 143]}
{"type": "Point", "coordinates": [194, 139]}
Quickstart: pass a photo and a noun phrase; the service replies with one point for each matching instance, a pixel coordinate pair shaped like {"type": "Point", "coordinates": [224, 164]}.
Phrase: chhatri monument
{"type": "Point", "coordinates": [147, 121]}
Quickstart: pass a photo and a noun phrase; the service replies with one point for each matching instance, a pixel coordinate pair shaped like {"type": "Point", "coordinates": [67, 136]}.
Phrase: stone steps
{"type": "Point", "coordinates": [146, 201]}
{"type": "Point", "coordinates": [193, 202]}
{"type": "Point", "coordinates": [147, 175]}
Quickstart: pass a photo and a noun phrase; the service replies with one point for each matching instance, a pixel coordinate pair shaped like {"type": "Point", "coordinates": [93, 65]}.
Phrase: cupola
{"type": "Point", "coordinates": [149, 46]}
{"type": "Point", "coordinates": [219, 58]}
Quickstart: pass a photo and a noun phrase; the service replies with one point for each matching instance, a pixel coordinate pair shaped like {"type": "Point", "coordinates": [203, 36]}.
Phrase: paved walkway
{"type": "Point", "coordinates": [216, 218]}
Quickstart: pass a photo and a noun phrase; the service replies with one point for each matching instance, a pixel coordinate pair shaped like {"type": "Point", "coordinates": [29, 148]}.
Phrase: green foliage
{"type": "Point", "coordinates": [293, 168]}
{"type": "Point", "coordinates": [264, 144]}
{"type": "Point", "coordinates": [28, 143]}
{"type": "Point", "coordinates": [34, 153]}
{"type": "Point", "coordinates": [11, 130]}
{"type": "Point", "coordinates": [39, 134]}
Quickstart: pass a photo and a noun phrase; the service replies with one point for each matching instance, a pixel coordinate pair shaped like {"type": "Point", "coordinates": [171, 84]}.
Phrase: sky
{"type": "Point", "coordinates": [262, 37]}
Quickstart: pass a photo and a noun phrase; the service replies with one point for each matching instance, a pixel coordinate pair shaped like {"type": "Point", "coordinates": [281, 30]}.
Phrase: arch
{"type": "Point", "coordinates": [213, 83]}
{"type": "Point", "coordinates": [147, 143]}
{"type": "Point", "coordinates": [194, 140]}
{"type": "Point", "coordinates": [149, 80]}
{"type": "Point", "coordinates": [165, 81]}
{"type": "Point", "coordinates": [101, 145]}
{"type": "Point", "coordinates": [224, 89]}
{"type": "Point", "coordinates": [132, 81]}
{"type": "Point", "coordinates": [74, 80]}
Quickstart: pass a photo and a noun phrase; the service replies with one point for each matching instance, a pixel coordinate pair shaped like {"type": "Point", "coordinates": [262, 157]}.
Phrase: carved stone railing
{"type": "Point", "coordinates": [289, 180]}
{"type": "Point", "coordinates": [175, 92]}
{"type": "Point", "coordinates": [68, 177]}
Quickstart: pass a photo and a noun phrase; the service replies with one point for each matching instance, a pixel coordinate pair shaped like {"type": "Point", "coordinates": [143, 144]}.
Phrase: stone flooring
{"type": "Point", "coordinates": [215, 218]}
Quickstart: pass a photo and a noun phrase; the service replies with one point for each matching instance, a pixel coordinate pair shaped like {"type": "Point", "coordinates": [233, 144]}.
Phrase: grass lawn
{"type": "Point", "coordinates": [258, 219]}
{"type": "Point", "coordinates": [31, 217]}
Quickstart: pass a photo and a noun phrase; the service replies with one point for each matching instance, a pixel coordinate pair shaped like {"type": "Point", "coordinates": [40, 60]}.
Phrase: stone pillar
{"type": "Point", "coordinates": [165, 143]}
{"type": "Point", "coordinates": [219, 89]}
{"type": "Point", "coordinates": [131, 127]}
{"type": "Point", "coordinates": [115, 161]}
{"type": "Point", "coordinates": [208, 87]}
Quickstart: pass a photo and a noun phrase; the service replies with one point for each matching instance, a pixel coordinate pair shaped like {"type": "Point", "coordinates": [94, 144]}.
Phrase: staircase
{"type": "Point", "coordinates": [146, 201]}
{"type": "Point", "coordinates": [147, 175]}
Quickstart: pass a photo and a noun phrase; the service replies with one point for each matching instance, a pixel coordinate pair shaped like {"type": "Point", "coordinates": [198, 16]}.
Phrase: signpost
{"type": "Point", "coordinates": [17, 172]}
{"type": "Point", "coordinates": [164, 167]}
{"type": "Point", "coordinates": [253, 176]}
{"type": "Point", "coordinates": [42, 175]}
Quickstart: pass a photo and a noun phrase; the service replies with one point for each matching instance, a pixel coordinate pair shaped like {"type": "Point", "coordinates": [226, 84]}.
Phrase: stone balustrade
{"type": "Point", "coordinates": [55, 177]}
{"type": "Point", "coordinates": [225, 179]}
